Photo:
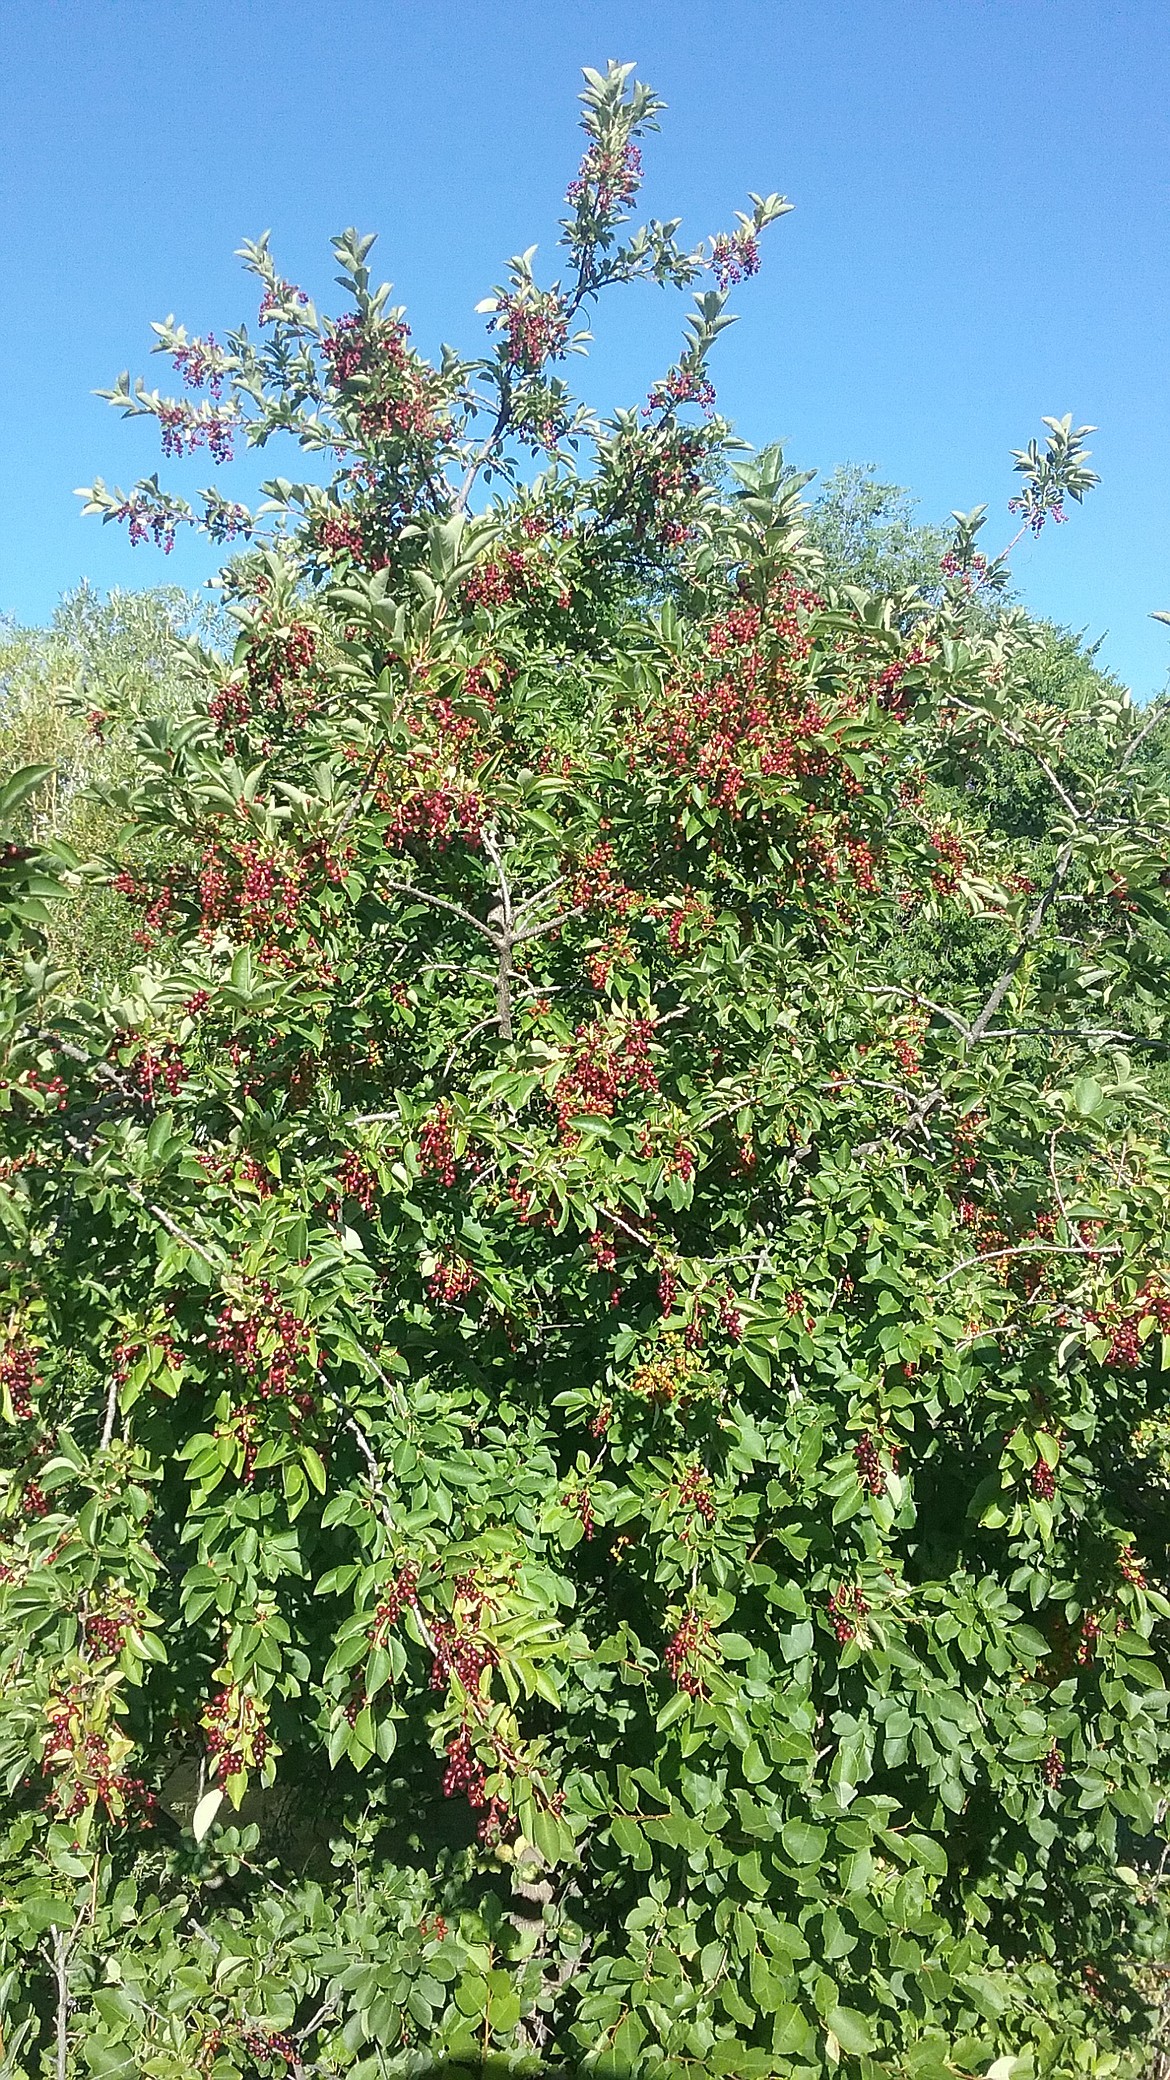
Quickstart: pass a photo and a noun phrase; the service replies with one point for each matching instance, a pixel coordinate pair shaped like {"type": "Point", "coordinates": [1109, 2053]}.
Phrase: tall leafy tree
{"type": "Point", "coordinates": [570, 1469]}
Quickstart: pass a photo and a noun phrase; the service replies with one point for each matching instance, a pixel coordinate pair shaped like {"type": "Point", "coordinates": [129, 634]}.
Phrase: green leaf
{"type": "Point", "coordinates": [853, 2031]}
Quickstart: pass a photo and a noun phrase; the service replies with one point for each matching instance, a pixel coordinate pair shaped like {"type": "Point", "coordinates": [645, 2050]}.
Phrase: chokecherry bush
{"type": "Point", "coordinates": [571, 1441]}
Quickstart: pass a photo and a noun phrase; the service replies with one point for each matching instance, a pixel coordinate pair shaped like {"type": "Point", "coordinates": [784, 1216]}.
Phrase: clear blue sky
{"type": "Point", "coordinates": [980, 234]}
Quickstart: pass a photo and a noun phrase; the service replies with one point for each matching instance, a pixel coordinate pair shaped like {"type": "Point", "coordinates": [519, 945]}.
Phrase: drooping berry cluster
{"type": "Point", "coordinates": [692, 920]}
{"type": "Point", "coordinates": [605, 1063]}
{"type": "Point", "coordinates": [694, 1493]}
{"type": "Point", "coordinates": [734, 256]}
{"type": "Point", "coordinates": [464, 1775]}
{"type": "Point", "coordinates": [1090, 1634]}
{"type": "Point", "coordinates": [536, 326]}
{"type": "Point", "coordinates": [1042, 1481]}
{"type": "Point", "coordinates": [603, 1250]}
{"type": "Point", "coordinates": [264, 1339]}
{"type": "Point", "coordinates": [451, 1281]}
{"type": "Point", "coordinates": [461, 1652]}
{"type": "Point", "coordinates": [403, 1592]}
{"type": "Point", "coordinates": [581, 1501]}
{"type": "Point", "coordinates": [106, 1629]}
{"type": "Point", "coordinates": [846, 1606]}
{"type": "Point", "coordinates": [684, 1652]}
{"type": "Point", "coordinates": [18, 1377]}
{"type": "Point", "coordinates": [871, 1471]}
{"type": "Point", "coordinates": [1052, 1768]}
{"type": "Point", "coordinates": [436, 1145]}
{"type": "Point", "coordinates": [357, 1180]}
{"type": "Point", "coordinates": [186, 427]}
{"type": "Point", "coordinates": [607, 178]}
{"type": "Point", "coordinates": [236, 1730]}
{"type": "Point", "coordinates": [730, 1318]}
{"type": "Point", "coordinates": [84, 1758]}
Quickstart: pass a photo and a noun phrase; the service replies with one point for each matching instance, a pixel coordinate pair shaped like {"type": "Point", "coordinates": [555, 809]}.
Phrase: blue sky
{"type": "Point", "coordinates": [980, 234]}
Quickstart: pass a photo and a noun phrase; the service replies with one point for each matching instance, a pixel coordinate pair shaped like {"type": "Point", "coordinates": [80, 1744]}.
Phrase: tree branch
{"type": "Point", "coordinates": [1030, 934]}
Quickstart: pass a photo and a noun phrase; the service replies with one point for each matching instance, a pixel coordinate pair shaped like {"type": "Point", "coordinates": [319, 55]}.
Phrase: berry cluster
{"type": "Point", "coordinates": [846, 1606]}
{"type": "Point", "coordinates": [166, 1069]}
{"type": "Point", "coordinates": [1126, 1341]}
{"type": "Point", "coordinates": [464, 1775]}
{"type": "Point", "coordinates": [694, 1493]}
{"type": "Point", "coordinates": [277, 298]}
{"type": "Point", "coordinates": [668, 1374]}
{"type": "Point", "coordinates": [18, 1377]}
{"type": "Point", "coordinates": [86, 1763]}
{"type": "Point", "coordinates": [465, 1654]}
{"type": "Point", "coordinates": [1042, 1481]}
{"type": "Point", "coordinates": [580, 1500]}
{"type": "Point", "coordinates": [680, 1162]}
{"type": "Point", "coordinates": [602, 1249]}
{"type": "Point", "coordinates": [1052, 1768]}
{"type": "Point", "coordinates": [395, 400]}
{"type": "Point", "coordinates": [603, 1066]}
{"type": "Point", "coordinates": [537, 328]}
{"type": "Point", "coordinates": [684, 1651]}
{"type": "Point", "coordinates": [794, 1301]}
{"type": "Point", "coordinates": [51, 1087]}
{"type": "Point", "coordinates": [451, 1281]}
{"type": "Point", "coordinates": [200, 364]}
{"type": "Point", "coordinates": [870, 1470]}
{"type": "Point", "coordinates": [863, 864]}
{"type": "Point", "coordinates": [268, 2044]}
{"type": "Point", "coordinates": [434, 816]}
{"type": "Point", "coordinates": [341, 537]}
{"type": "Point", "coordinates": [952, 858]}
{"type": "Point", "coordinates": [730, 1318]}
{"type": "Point", "coordinates": [403, 1591]}
{"type": "Point", "coordinates": [1090, 1634]}
{"type": "Point", "coordinates": [680, 386]}
{"type": "Point", "coordinates": [266, 1342]}
{"type": "Point", "coordinates": [693, 918]}
{"type": "Point", "coordinates": [356, 1180]}
{"type": "Point", "coordinates": [436, 1145]}
{"type": "Point", "coordinates": [237, 1736]}
{"type": "Point", "coordinates": [907, 1057]}
{"type": "Point", "coordinates": [734, 256]}
{"type": "Point", "coordinates": [745, 711]}
{"type": "Point", "coordinates": [591, 883]}
{"type": "Point", "coordinates": [149, 520]}
{"type": "Point", "coordinates": [187, 427]}
{"type": "Point", "coordinates": [1131, 1568]}
{"type": "Point", "coordinates": [105, 1630]}
{"type": "Point", "coordinates": [606, 178]}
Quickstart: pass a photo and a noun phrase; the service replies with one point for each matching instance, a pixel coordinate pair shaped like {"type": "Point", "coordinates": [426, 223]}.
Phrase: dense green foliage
{"type": "Point", "coordinates": [71, 698]}
{"type": "Point", "coordinates": [577, 1403]}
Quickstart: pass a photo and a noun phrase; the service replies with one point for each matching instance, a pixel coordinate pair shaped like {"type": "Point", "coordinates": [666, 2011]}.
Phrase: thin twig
{"type": "Point", "coordinates": [1030, 933]}
{"type": "Point", "coordinates": [422, 895]}
{"type": "Point", "coordinates": [1034, 1249]}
